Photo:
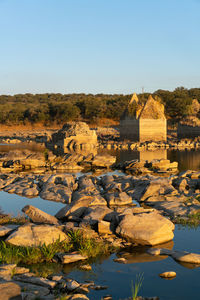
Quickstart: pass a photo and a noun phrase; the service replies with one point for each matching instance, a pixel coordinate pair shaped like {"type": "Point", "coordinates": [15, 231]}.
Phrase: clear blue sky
{"type": "Point", "coordinates": [98, 46]}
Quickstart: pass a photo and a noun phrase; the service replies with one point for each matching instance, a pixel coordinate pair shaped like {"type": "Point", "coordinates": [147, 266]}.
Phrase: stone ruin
{"type": "Point", "coordinates": [143, 121]}
{"type": "Point", "coordinates": [190, 126]}
{"type": "Point", "coordinates": [74, 136]}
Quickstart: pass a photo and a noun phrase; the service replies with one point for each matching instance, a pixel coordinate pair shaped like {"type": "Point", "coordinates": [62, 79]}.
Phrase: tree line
{"type": "Point", "coordinates": [60, 108]}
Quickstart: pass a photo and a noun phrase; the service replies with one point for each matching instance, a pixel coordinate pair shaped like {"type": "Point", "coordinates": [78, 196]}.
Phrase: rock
{"type": "Point", "coordinates": [57, 278]}
{"type": "Point", "coordinates": [73, 135]}
{"type": "Point", "coordinates": [82, 290]}
{"type": "Point", "coordinates": [31, 278]}
{"type": "Point", "coordinates": [36, 235]}
{"type": "Point", "coordinates": [169, 274]}
{"type": "Point", "coordinates": [163, 165]}
{"type": "Point", "coordinates": [99, 287]}
{"type": "Point", "coordinates": [70, 226]}
{"type": "Point", "coordinates": [181, 256]}
{"type": "Point", "coordinates": [6, 271]}
{"type": "Point", "coordinates": [104, 227]}
{"type": "Point", "coordinates": [10, 290]}
{"type": "Point", "coordinates": [107, 297]}
{"type": "Point", "coordinates": [76, 208]}
{"type": "Point", "coordinates": [4, 230]}
{"type": "Point", "coordinates": [32, 291]}
{"type": "Point", "coordinates": [120, 260]}
{"type": "Point", "coordinates": [67, 180]}
{"type": "Point", "coordinates": [71, 284]}
{"type": "Point", "coordinates": [38, 216]}
{"type": "Point", "coordinates": [115, 199]}
{"type": "Point", "coordinates": [85, 267]}
{"type": "Point", "coordinates": [186, 257]}
{"type": "Point", "coordinates": [23, 186]}
{"type": "Point", "coordinates": [78, 297]}
{"type": "Point", "coordinates": [79, 205]}
{"type": "Point", "coordinates": [33, 161]}
{"type": "Point", "coordinates": [159, 251]}
{"type": "Point", "coordinates": [146, 228]}
{"type": "Point", "coordinates": [157, 186]}
{"type": "Point", "coordinates": [103, 161]}
{"type": "Point", "coordinates": [56, 192]}
{"type": "Point", "coordinates": [70, 258]}
{"type": "Point", "coordinates": [93, 215]}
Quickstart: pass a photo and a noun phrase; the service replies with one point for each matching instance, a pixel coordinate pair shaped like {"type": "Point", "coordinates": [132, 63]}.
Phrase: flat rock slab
{"type": "Point", "coordinates": [56, 192]}
{"type": "Point", "coordinates": [186, 257]}
{"type": "Point", "coordinates": [36, 235]}
{"type": "Point", "coordinates": [30, 278]}
{"type": "Point", "coordinates": [4, 230]}
{"type": "Point", "coordinates": [181, 256]}
{"type": "Point", "coordinates": [39, 216]}
{"type": "Point", "coordinates": [70, 258]}
{"type": "Point", "coordinates": [160, 251]}
{"type": "Point", "coordinates": [146, 228]}
{"type": "Point", "coordinates": [38, 291]}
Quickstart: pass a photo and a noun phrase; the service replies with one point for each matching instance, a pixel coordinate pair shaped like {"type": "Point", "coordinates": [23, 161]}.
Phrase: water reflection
{"type": "Point", "coordinates": [187, 159]}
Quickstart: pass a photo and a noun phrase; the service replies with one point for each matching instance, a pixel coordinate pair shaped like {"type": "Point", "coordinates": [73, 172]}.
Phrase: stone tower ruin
{"type": "Point", "coordinates": [143, 121]}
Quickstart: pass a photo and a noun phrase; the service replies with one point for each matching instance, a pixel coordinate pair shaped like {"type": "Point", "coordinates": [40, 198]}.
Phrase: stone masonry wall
{"type": "Point", "coordinates": [186, 131]}
{"type": "Point", "coordinates": [129, 129]}
{"type": "Point", "coordinates": [152, 130]}
{"type": "Point", "coordinates": [143, 129]}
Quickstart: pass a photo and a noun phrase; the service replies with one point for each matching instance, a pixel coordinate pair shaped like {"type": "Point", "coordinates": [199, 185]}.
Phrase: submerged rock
{"type": "Point", "coordinates": [186, 257]}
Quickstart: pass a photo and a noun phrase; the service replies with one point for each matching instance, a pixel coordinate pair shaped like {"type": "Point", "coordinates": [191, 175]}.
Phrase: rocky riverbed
{"type": "Point", "coordinates": [122, 211]}
{"type": "Point", "coordinates": [174, 196]}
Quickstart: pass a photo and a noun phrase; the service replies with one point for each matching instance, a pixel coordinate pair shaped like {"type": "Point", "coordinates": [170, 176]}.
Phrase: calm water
{"type": "Point", "coordinates": [187, 159]}
{"type": "Point", "coordinates": [118, 277]}
{"type": "Point", "coordinates": [12, 204]}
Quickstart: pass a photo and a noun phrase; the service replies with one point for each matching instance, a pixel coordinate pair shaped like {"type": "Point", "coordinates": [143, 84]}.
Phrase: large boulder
{"type": "Point", "coordinates": [31, 235]}
{"type": "Point", "coordinates": [10, 290]}
{"type": "Point", "coordinates": [146, 228]}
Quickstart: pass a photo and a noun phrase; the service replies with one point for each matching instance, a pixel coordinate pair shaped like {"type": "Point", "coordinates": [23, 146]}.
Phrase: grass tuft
{"type": "Point", "coordinates": [135, 287]}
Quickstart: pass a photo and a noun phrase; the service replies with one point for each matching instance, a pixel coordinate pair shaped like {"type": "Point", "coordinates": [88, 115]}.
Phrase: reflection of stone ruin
{"type": "Point", "coordinates": [143, 121]}
{"type": "Point", "coordinates": [190, 126]}
{"type": "Point", "coordinates": [74, 136]}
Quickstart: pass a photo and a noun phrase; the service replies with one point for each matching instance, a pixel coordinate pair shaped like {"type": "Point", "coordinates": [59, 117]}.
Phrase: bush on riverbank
{"type": "Point", "coordinates": [59, 108]}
